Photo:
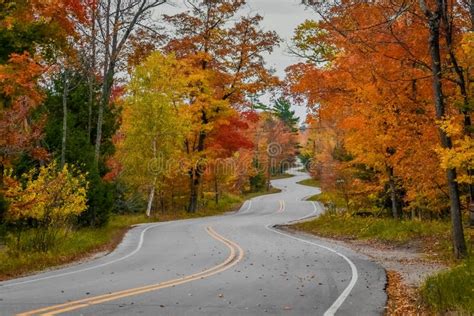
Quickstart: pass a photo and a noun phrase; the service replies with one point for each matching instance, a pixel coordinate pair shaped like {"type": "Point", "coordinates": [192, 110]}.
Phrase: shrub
{"type": "Point", "coordinates": [47, 199]}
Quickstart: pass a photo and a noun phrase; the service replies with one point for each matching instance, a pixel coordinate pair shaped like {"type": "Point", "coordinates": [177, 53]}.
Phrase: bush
{"type": "Point", "coordinates": [258, 182]}
{"type": "Point", "coordinates": [47, 199]}
{"type": "Point", "coordinates": [100, 203]}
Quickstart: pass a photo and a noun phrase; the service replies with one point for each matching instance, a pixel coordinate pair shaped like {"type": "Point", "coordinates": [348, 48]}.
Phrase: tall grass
{"type": "Point", "coordinates": [451, 290]}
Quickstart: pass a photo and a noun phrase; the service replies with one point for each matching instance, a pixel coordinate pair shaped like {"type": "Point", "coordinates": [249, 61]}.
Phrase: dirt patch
{"type": "Point", "coordinates": [408, 261]}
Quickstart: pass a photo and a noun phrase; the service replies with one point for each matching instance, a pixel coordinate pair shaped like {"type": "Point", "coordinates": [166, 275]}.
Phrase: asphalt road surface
{"type": "Point", "coordinates": [235, 264]}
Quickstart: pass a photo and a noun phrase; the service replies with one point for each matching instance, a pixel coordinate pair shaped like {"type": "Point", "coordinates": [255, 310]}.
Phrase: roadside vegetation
{"type": "Point", "coordinates": [431, 236]}
{"type": "Point", "coordinates": [310, 182]}
{"type": "Point", "coordinates": [452, 290]}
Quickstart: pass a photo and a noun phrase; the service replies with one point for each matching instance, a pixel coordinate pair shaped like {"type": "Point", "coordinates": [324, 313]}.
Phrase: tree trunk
{"type": "Point", "coordinates": [216, 189]}
{"type": "Point", "coordinates": [269, 172]}
{"type": "Point", "coordinates": [471, 13]}
{"type": "Point", "coordinates": [396, 212]}
{"type": "Point", "coordinates": [162, 201]}
{"type": "Point", "coordinates": [463, 89]}
{"type": "Point", "coordinates": [2, 174]}
{"type": "Point", "coordinates": [459, 244]}
{"type": "Point", "coordinates": [91, 101]}
{"type": "Point", "coordinates": [106, 91]}
{"type": "Point", "coordinates": [64, 136]}
{"type": "Point", "coordinates": [196, 172]}
{"type": "Point", "coordinates": [151, 196]}
{"type": "Point", "coordinates": [107, 75]}
{"type": "Point", "coordinates": [194, 185]}
{"type": "Point", "coordinates": [91, 71]}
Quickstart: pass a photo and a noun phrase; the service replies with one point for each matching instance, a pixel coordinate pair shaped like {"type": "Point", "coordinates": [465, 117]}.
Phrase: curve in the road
{"type": "Point", "coordinates": [236, 255]}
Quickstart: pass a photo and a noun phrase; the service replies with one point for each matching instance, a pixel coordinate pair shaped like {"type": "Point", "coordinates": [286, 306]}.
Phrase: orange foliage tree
{"type": "Point", "coordinates": [230, 55]}
{"type": "Point", "coordinates": [369, 80]}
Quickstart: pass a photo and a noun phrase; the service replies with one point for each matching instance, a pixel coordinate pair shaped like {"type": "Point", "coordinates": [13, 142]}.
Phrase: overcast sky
{"type": "Point", "coordinates": [281, 16]}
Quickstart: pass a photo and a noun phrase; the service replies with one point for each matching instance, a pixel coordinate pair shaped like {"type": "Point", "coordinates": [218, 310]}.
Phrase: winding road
{"type": "Point", "coordinates": [235, 264]}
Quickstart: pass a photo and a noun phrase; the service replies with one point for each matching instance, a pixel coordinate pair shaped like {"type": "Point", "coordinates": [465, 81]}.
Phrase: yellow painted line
{"type": "Point", "coordinates": [236, 254]}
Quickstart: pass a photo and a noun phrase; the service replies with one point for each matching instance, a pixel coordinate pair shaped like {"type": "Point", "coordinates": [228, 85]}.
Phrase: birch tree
{"type": "Point", "coordinates": [152, 128]}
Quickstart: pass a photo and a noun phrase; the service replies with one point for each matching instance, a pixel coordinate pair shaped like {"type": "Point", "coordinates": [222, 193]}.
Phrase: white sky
{"type": "Point", "coordinates": [281, 16]}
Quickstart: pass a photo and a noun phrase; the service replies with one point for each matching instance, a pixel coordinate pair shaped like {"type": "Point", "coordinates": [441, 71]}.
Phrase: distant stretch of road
{"type": "Point", "coordinates": [236, 264]}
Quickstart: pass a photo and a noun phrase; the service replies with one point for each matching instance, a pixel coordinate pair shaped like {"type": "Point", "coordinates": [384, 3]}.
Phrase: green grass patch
{"type": "Point", "coordinates": [374, 228]}
{"type": "Point", "coordinates": [330, 200]}
{"type": "Point", "coordinates": [251, 195]}
{"type": "Point", "coordinates": [451, 290]}
{"type": "Point", "coordinates": [310, 182]}
{"type": "Point", "coordinates": [282, 176]}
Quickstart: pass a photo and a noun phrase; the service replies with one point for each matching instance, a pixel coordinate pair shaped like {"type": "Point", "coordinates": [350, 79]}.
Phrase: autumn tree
{"type": "Point", "coordinates": [228, 49]}
{"type": "Point", "coordinates": [438, 16]}
{"type": "Point", "coordinates": [153, 126]}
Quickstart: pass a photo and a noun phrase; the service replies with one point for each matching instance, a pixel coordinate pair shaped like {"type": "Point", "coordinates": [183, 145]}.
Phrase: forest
{"type": "Point", "coordinates": [104, 113]}
{"type": "Point", "coordinates": [391, 88]}
{"type": "Point", "coordinates": [110, 109]}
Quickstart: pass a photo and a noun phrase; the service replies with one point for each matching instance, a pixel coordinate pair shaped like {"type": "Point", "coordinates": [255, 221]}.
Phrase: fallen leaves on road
{"type": "Point", "coordinates": [402, 300]}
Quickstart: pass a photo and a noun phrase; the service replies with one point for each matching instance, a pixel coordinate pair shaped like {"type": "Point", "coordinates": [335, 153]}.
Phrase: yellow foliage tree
{"type": "Point", "coordinates": [153, 128]}
{"type": "Point", "coordinates": [51, 197]}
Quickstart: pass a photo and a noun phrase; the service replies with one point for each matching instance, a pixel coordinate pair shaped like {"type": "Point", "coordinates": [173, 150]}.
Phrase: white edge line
{"type": "Point", "coordinates": [139, 246]}
{"type": "Point", "coordinates": [338, 302]}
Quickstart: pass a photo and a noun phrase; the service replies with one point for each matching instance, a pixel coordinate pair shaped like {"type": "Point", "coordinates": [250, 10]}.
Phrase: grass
{"type": "Point", "coordinates": [282, 176]}
{"type": "Point", "coordinates": [310, 182]}
{"type": "Point", "coordinates": [451, 290]}
{"type": "Point", "coordinates": [326, 198]}
{"type": "Point", "coordinates": [84, 242]}
{"type": "Point", "coordinates": [373, 228]}
{"type": "Point", "coordinates": [331, 200]}
{"type": "Point", "coordinates": [251, 195]}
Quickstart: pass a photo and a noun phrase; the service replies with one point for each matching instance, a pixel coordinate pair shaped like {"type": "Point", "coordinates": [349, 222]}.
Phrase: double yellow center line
{"type": "Point", "coordinates": [236, 254]}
